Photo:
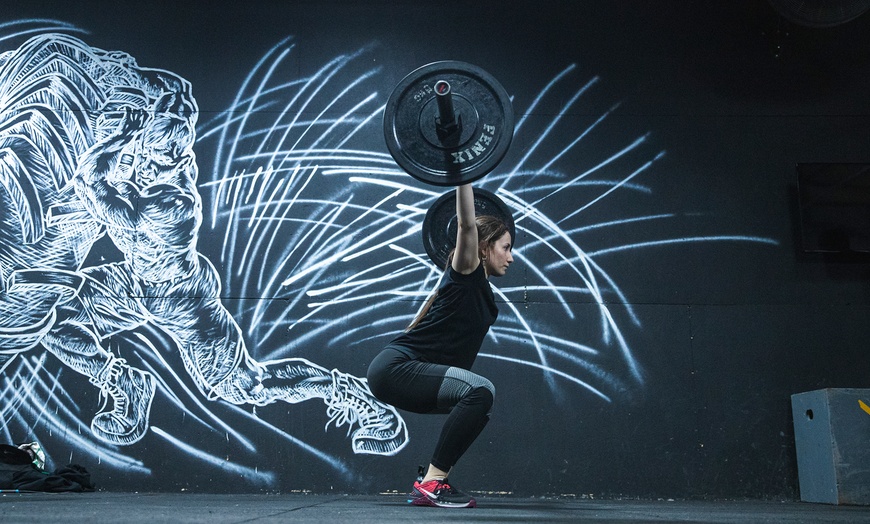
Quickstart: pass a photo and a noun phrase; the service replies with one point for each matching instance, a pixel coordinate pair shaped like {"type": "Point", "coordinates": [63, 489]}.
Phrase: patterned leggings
{"type": "Point", "coordinates": [397, 377]}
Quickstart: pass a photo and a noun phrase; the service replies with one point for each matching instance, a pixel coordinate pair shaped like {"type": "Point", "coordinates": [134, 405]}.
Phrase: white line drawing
{"type": "Point", "coordinates": [292, 154]}
{"type": "Point", "coordinates": [316, 235]}
{"type": "Point", "coordinates": [134, 173]}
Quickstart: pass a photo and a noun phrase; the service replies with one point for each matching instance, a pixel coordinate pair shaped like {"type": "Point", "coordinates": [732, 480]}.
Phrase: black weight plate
{"type": "Point", "coordinates": [439, 226]}
{"type": "Point", "coordinates": [482, 106]}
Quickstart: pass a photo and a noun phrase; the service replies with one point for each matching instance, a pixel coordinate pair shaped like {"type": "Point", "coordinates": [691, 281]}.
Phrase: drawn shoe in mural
{"type": "Point", "coordinates": [439, 493]}
{"type": "Point", "coordinates": [131, 391]}
{"type": "Point", "coordinates": [381, 430]}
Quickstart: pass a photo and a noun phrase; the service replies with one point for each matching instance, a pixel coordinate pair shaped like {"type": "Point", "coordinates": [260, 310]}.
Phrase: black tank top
{"type": "Point", "coordinates": [453, 329]}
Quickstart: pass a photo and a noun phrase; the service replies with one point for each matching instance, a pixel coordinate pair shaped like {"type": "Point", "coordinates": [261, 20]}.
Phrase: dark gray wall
{"type": "Point", "coordinates": [647, 345]}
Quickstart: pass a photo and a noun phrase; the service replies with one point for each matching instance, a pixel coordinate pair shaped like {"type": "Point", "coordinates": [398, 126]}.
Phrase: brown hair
{"type": "Point", "coordinates": [489, 230]}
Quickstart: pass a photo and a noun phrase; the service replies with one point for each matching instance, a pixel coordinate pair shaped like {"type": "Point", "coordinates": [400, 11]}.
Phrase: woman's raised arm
{"type": "Point", "coordinates": [466, 258]}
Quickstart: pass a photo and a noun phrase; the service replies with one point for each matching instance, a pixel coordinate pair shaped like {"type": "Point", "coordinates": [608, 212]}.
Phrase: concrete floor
{"type": "Point", "coordinates": [153, 508]}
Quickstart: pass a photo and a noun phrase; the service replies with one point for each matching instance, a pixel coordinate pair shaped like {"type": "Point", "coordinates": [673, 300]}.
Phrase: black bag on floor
{"type": "Point", "coordinates": [18, 472]}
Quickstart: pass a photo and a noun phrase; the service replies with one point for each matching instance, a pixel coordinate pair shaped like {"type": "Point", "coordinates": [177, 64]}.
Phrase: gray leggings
{"type": "Point", "coordinates": [397, 377]}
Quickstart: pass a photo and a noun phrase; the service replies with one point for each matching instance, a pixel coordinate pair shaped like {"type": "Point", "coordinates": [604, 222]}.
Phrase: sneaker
{"type": "Point", "coordinates": [131, 391]}
{"type": "Point", "coordinates": [439, 494]}
{"type": "Point", "coordinates": [421, 471]}
{"type": "Point", "coordinates": [382, 431]}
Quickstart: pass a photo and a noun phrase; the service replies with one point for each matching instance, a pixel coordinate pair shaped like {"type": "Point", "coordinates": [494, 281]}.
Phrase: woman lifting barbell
{"type": "Point", "coordinates": [426, 368]}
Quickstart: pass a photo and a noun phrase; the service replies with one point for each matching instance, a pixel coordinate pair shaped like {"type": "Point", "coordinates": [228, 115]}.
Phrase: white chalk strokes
{"type": "Point", "coordinates": [208, 285]}
{"type": "Point", "coordinates": [92, 144]}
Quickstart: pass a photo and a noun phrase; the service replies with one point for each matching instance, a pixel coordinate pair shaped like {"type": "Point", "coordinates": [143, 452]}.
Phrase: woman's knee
{"type": "Point", "coordinates": [461, 385]}
{"type": "Point", "coordinates": [484, 389]}
{"type": "Point", "coordinates": [483, 395]}
{"type": "Point", "coordinates": [489, 386]}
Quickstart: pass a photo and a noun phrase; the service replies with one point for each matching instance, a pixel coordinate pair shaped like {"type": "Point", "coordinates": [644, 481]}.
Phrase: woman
{"type": "Point", "coordinates": [426, 369]}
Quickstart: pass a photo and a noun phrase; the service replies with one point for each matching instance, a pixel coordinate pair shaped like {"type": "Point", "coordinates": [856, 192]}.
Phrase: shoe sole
{"type": "Point", "coordinates": [423, 500]}
{"type": "Point", "coordinates": [138, 431]}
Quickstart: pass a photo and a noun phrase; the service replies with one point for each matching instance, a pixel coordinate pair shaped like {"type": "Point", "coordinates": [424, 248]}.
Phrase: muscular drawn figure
{"type": "Point", "coordinates": [55, 96]}
{"type": "Point", "coordinates": [139, 182]}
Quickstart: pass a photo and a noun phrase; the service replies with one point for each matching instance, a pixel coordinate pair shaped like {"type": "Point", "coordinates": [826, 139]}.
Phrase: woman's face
{"type": "Point", "coordinates": [498, 256]}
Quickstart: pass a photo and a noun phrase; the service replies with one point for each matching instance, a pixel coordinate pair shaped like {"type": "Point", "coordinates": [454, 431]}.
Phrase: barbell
{"type": "Point", "coordinates": [448, 123]}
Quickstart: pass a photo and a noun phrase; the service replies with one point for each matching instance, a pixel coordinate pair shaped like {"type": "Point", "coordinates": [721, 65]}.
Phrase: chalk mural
{"type": "Point", "coordinates": [313, 249]}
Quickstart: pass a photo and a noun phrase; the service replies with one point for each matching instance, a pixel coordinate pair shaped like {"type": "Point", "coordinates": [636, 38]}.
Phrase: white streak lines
{"type": "Point", "coordinates": [251, 475]}
{"type": "Point", "coordinates": [531, 109]}
{"type": "Point", "coordinates": [685, 240]}
{"type": "Point", "coordinates": [577, 140]}
{"type": "Point", "coordinates": [615, 187]}
{"type": "Point", "coordinates": [551, 126]}
{"type": "Point", "coordinates": [549, 370]}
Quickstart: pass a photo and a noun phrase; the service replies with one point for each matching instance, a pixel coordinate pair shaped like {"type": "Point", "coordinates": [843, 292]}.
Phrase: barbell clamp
{"type": "Point", "coordinates": [448, 125]}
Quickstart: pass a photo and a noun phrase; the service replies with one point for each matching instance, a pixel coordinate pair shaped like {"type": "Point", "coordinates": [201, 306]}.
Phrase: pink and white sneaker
{"type": "Point", "coordinates": [440, 494]}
